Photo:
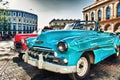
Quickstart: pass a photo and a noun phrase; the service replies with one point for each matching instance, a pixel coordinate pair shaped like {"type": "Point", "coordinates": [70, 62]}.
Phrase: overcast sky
{"type": "Point", "coordinates": [50, 9]}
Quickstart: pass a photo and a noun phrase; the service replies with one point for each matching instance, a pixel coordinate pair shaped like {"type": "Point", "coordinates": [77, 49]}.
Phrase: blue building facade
{"type": "Point", "coordinates": [20, 22]}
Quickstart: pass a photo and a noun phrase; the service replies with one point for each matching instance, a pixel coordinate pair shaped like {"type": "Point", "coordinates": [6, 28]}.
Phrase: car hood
{"type": "Point", "coordinates": [18, 37]}
{"type": "Point", "coordinates": [51, 38]}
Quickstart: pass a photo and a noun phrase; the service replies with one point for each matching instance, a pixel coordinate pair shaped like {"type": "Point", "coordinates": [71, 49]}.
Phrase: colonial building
{"type": "Point", "coordinates": [60, 23]}
{"type": "Point", "coordinates": [107, 12]}
{"type": "Point", "coordinates": [20, 21]}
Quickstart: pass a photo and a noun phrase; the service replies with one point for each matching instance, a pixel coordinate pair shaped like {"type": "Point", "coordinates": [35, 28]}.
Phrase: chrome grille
{"type": "Point", "coordinates": [35, 51]}
{"type": "Point", "coordinates": [48, 55]}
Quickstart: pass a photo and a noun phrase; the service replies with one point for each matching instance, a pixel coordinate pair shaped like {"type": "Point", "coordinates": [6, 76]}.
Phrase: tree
{"type": "Point", "coordinates": [4, 23]}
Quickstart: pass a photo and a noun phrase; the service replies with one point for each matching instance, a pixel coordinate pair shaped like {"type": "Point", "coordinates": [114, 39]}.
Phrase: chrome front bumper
{"type": "Point", "coordinates": [49, 66]}
{"type": "Point", "coordinates": [21, 51]}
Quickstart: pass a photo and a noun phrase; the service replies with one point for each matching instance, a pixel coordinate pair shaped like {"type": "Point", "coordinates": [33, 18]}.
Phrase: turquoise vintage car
{"type": "Point", "coordinates": [72, 50]}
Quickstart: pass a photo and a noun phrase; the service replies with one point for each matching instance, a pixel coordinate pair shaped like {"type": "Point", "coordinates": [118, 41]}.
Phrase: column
{"type": "Point", "coordinates": [112, 25]}
{"type": "Point", "coordinates": [96, 15]}
{"type": "Point", "coordinates": [16, 28]}
{"type": "Point", "coordinates": [102, 9]}
{"type": "Point", "coordinates": [84, 16]}
{"type": "Point", "coordinates": [105, 12]}
{"type": "Point", "coordinates": [115, 8]}
{"type": "Point", "coordinates": [89, 16]}
{"type": "Point", "coordinates": [112, 10]}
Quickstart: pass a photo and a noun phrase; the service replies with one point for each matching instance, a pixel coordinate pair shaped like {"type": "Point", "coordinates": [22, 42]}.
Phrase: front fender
{"type": "Point", "coordinates": [30, 41]}
{"type": "Point", "coordinates": [102, 46]}
{"type": "Point", "coordinates": [117, 41]}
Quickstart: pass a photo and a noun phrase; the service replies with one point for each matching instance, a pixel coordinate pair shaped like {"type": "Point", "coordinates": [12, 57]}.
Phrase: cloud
{"type": "Point", "coordinates": [49, 9]}
{"type": "Point", "coordinates": [55, 5]}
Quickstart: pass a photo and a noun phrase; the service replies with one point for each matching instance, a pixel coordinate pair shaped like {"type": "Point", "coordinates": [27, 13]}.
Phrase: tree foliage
{"type": "Point", "coordinates": [4, 23]}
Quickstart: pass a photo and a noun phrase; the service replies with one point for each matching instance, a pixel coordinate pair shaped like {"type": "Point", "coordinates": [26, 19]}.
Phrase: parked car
{"type": "Point", "coordinates": [20, 43]}
{"type": "Point", "coordinates": [72, 50]}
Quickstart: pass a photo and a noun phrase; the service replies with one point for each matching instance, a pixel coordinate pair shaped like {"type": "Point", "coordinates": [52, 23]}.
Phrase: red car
{"type": "Point", "coordinates": [19, 43]}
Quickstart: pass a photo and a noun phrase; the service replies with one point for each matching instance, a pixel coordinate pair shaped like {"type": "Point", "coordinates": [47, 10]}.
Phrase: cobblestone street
{"type": "Point", "coordinates": [12, 68]}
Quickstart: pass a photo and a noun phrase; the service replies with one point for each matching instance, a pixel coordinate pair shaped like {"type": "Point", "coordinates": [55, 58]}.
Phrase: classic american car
{"type": "Point", "coordinates": [19, 43]}
{"type": "Point", "coordinates": [73, 50]}
{"type": "Point", "coordinates": [20, 40]}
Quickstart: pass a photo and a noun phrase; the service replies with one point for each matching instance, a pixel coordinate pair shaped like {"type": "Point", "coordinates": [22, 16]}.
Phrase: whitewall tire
{"type": "Point", "coordinates": [83, 68]}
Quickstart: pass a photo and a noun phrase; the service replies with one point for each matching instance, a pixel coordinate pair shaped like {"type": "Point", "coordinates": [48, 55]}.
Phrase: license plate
{"type": "Point", "coordinates": [40, 61]}
{"type": "Point", "coordinates": [32, 62]}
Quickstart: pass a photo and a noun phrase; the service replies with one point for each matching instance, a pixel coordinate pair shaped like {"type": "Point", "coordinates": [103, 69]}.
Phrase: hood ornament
{"type": "Point", "coordinates": [39, 42]}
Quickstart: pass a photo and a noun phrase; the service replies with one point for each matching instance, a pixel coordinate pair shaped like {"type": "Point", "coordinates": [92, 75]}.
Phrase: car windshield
{"type": "Point", "coordinates": [81, 25]}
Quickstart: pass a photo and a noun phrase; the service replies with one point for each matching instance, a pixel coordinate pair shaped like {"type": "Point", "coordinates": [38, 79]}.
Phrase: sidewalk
{"type": "Point", "coordinates": [6, 45]}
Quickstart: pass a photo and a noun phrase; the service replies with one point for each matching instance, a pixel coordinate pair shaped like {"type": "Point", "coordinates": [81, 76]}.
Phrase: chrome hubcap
{"type": "Point", "coordinates": [82, 66]}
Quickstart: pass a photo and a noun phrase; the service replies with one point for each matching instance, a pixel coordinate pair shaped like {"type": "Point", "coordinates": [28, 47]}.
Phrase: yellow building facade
{"type": "Point", "coordinates": [107, 12]}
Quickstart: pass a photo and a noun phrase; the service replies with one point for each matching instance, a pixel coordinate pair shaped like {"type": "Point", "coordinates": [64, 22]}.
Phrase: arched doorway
{"type": "Point", "coordinates": [117, 27]}
{"type": "Point", "coordinates": [108, 28]}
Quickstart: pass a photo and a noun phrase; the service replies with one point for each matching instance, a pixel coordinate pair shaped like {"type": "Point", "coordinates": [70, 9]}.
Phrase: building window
{"type": "Point", "coordinates": [52, 24]}
{"type": "Point", "coordinates": [30, 21]}
{"type": "Point", "coordinates": [92, 16]}
{"type": "Point", "coordinates": [14, 13]}
{"type": "Point", "coordinates": [14, 27]}
{"type": "Point", "coordinates": [19, 14]}
{"type": "Point", "coordinates": [14, 19]}
{"type": "Point", "coordinates": [4, 13]}
{"type": "Point", "coordinates": [108, 13]}
{"type": "Point", "coordinates": [86, 17]}
{"type": "Point", "coordinates": [23, 14]}
{"type": "Point", "coordinates": [118, 10]}
{"type": "Point", "coordinates": [11, 27]}
{"type": "Point", "coordinates": [19, 20]}
{"type": "Point", "coordinates": [19, 27]}
{"type": "Point", "coordinates": [55, 23]}
{"type": "Point", "coordinates": [26, 27]}
{"type": "Point", "coordinates": [99, 15]}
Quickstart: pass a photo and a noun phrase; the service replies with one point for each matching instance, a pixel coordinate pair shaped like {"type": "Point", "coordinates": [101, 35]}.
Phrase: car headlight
{"type": "Point", "coordinates": [62, 46]}
{"type": "Point", "coordinates": [22, 41]}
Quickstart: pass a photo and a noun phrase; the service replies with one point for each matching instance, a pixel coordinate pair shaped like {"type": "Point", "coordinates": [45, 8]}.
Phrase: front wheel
{"type": "Point", "coordinates": [83, 68]}
{"type": "Point", "coordinates": [118, 51]}
{"type": "Point", "coordinates": [20, 55]}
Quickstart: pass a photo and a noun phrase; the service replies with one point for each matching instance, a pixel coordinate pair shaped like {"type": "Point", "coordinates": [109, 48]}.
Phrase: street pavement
{"type": "Point", "coordinates": [12, 68]}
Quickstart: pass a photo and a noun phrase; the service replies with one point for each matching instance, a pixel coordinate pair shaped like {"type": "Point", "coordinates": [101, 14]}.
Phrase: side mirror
{"type": "Point", "coordinates": [118, 34]}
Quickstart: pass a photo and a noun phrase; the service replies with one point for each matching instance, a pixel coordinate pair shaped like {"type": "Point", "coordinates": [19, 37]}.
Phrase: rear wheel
{"type": "Point", "coordinates": [83, 68]}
